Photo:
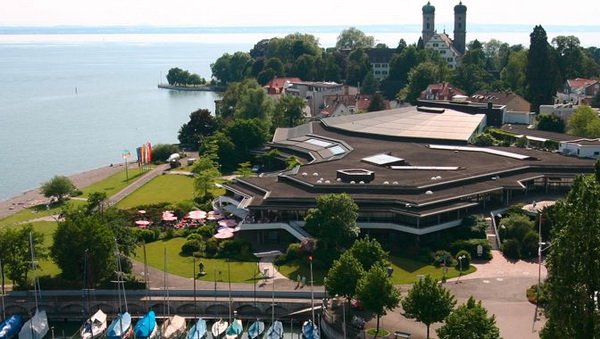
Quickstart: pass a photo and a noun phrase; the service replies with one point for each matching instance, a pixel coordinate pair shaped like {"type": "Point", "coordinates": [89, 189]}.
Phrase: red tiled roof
{"type": "Point", "coordinates": [275, 86]}
{"type": "Point", "coordinates": [580, 82]}
{"type": "Point", "coordinates": [441, 91]}
{"type": "Point", "coordinates": [497, 98]}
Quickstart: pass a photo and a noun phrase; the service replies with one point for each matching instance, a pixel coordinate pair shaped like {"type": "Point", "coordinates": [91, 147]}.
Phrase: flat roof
{"type": "Point", "coordinates": [382, 159]}
{"type": "Point", "coordinates": [411, 122]}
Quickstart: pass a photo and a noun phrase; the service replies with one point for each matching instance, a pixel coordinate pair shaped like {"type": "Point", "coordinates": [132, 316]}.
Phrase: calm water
{"type": "Point", "coordinates": [66, 107]}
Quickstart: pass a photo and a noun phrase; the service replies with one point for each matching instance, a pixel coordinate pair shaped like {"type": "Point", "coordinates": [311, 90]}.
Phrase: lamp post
{"type": "Point", "coordinates": [460, 259]}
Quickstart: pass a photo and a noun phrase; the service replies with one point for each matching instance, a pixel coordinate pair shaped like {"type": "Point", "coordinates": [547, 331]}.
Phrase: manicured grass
{"type": "Point", "coordinates": [406, 271]}
{"type": "Point", "coordinates": [183, 265]}
{"type": "Point", "coordinates": [47, 266]}
{"type": "Point", "coordinates": [164, 188]}
{"type": "Point", "coordinates": [38, 212]}
{"type": "Point", "coordinates": [114, 183]}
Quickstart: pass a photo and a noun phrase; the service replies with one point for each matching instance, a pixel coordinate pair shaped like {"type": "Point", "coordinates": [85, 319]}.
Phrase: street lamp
{"type": "Point", "coordinates": [460, 259]}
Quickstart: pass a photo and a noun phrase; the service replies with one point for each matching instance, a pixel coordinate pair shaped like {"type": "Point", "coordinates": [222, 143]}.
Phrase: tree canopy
{"type": "Point", "coordinates": [584, 122]}
{"type": "Point", "coordinates": [469, 321]}
{"type": "Point", "coordinates": [201, 124]}
{"type": "Point", "coordinates": [343, 276]}
{"type": "Point", "coordinates": [15, 252]}
{"type": "Point", "coordinates": [353, 38]}
{"type": "Point", "coordinates": [333, 221]}
{"type": "Point", "coordinates": [377, 292]}
{"type": "Point", "coordinates": [368, 252]}
{"type": "Point", "coordinates": [59, 187]}
{"type": "Point", "coordinates": [574, 264]}
{"type": "Point", "coordinates": [541, 70]}
{"type": "Point", "coordinates": [428, 302]}
{"type": "Point", "coordinates": [180, 77]}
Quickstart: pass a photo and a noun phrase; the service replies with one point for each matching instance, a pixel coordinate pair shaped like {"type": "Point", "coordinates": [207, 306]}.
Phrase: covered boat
{"type": "Point", "coordinates": [198, 331]}
{"type": "Point", "coordinates": [256, 329]}
{"type": "Point", "coordinates": [173, 327]}
{"type": "Point", "coordinates": [11, 326]}
{"type": "Point", "coordinates": [234, 330]}
{"type": "Point", "coordinates": [94, 326]}
{"type": "Point", "coordinates": [219, 327]}
{"type": "Point", "coordinates": [275, 331]}
{"type": "Point", "coordinates": [309, 330]}
{"type": "Point", "coordinates": [120, 328]}
{"type": "Point", "coordinates": [36, 327]}
{"type": "Point", "coordinates": [146, 327]}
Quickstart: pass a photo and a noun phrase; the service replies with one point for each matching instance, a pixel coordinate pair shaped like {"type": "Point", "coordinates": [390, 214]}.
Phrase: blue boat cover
{"type": "Point", "coordinates": [11, 326]}
{"type": "Point", "coordinates": [198, 331]}
{"type": "Point", "coordinates": [145, 326]}
{"type": "Point", "coordinates": [119, 327]}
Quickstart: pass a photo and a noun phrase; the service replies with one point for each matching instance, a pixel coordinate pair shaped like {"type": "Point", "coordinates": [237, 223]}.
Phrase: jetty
{"type": "Point", "coordinates": [193, 88]}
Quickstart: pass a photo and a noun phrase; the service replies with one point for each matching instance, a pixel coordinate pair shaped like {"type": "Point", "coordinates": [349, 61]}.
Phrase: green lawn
{"type": "Point", "coordinates": [183, 265]}
{"type": "Point", "coordinates": [47, 228]}
{"type": "Point", "coordinates": [114, 183]}
{"type": "Point", "coordinates": [37, 212]}
{"type": "Point", "coordinates": [406, 271]}
{"type": "Point", "coordinates": [164, 188]}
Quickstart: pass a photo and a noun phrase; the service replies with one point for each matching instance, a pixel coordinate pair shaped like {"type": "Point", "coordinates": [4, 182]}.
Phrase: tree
{"type": "Point", "coordinates": [95, 239]}
{"type": "Point", "coordinates": [469, 321]}
{"type": "Point", "coordinates": [202, 124]}
{"type": "Point", "coordinates": [245, 169]}
{"type": "Point", "coordinates": [377, 292]}
{"type": "Point", "coordinates": [377, 103]}
{"type": "Point", "coordinates": [58, 187]}
{"type": "Point", "coordinates": [584, 122]}
{"type": "Point", "coordinates": [513, 75]}
{"type": "Point", "coordinates": [418, 79]}
{"type": "Point", "coordinates": [541, 70]}
{"type": "Point", "coordinates": [343, 276]}
{"type": "Point", "coordinates": [231, 68]}
{"type": "Point", "coordinates": [550, 122]}
{"type": "Point", "coordinates": [571, 56]}
{"type": "Point", "coordinates": [333, 221]}
{"type": "Point", "coordinates": [369, 253]}
{"type": "Point", "coordinates": [288, 112]}
{"type": "Point", "coordinates": [206, 174]}
{"type": "Point", "coordinates": [15, 252]}
{"type": "Point", "coordinates": [353, 38]}
{"type": "Point", "coordinates": [305, 67]}
{"type": "Point", "coordinates": [574, 264]}
{"type": "Point", "coordinates": [162, 152]}
{"type": "Point", "coordinates": [596, 101]}
{"type": "Point", "coordinates": [96, 201]}
{"type": "Point", "coordinates": [428, 302]}
{"type": "Point", "coordinates": [246, 135]}
{"type": "Point", "coordinates": [369, 84]}
{"type": "Point", "coordinates": [358, 67]}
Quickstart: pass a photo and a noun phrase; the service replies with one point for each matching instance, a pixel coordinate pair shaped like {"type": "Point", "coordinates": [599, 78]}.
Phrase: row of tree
{"type": "Point", "coordinates": [179, 77]}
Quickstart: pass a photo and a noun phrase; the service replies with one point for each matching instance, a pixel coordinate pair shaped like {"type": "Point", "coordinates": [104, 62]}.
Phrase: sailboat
{"type": "Point", "coordinates": [275, 331]}
{"type": "Point", "coordinates": [256, 329]}
{"type": "Point", "coordinates": [198, 331]}
{"type": "Point", "coordinates": [146, 328]}
{"type": "Point", "coordinates": [120, 328]}
{"type": "Point", "coordinates": [175, 325]}
{"type": "Point", "coordinates": [219, 327]}
{"type": "Point", "coordinates": [36, 327]}
{"type": "Point", "coordinates": [96, 324]}
{"type": "Point", "coordinates": [10, 327]}
{"type": "Point", "coordinates": [309, 328]}
{"type": "Point", "coordinates": [234, 330]}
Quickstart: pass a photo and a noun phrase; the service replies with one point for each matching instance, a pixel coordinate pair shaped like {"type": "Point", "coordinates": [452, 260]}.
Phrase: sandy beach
{"type": "Point", "coordinates": [35, 197]}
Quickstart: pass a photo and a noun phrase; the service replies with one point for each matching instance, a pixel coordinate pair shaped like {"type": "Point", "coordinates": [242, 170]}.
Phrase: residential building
{"type": "Point", "coordinates": [314, 93]}
{"type": "Point", "coordinates": [336, 105]}
{"type": "Point", "coordinates": [379, 58]}
{"type": "Point", "coordinates": [277, 86]}
{"type": "Point", "coordinates": [578, 91]}
{"type": "Point", "coordinates": [512, 101]}
{"type": "Point", "coordinates": [441, 91]}
{"type": "Point", "coordinates": [581, 148]}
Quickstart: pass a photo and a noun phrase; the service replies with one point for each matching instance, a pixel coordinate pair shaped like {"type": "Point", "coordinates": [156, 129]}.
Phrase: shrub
{"type": "Point", "coordinates": [511, 249]}
{"type": "Point", "coordinates": [529, 245]}
{"type": "Point", "coordinates": [294, 251]}
{"type": "Point", "coordinates": [308, 245]}
{"type": "Point", "coordinates": [146, 235]}
{"type": "Point", "coordinates": [211, 248]}
{"type": "Point", "coordinates": [440, 257]}
{"type": "Point", "coordinates": [206, 231]}
{"type": "Point", "coordinates": [190, 246]}
{"type": "Point", "coordinates": [471, 245]}
{"type": "Point", "coordinates": [465, 263]}
{"type": "Point", "coordinates": [241, 246]}
{"type": "Point", "coordinates": [169, 234]}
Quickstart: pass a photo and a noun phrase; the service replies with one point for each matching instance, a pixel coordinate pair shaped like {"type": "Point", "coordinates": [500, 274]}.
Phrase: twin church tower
{"type": "Point", "coordinates": [460, 23]}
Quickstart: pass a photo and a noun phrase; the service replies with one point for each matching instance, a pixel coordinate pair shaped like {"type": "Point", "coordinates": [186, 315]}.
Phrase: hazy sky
{"type": "Point", "coordinates": [300, 13]}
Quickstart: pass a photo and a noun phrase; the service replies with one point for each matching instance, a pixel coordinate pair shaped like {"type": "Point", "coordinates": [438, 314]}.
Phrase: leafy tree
{"type": "Point", "coordinates": [368, 252]}
{"type": "Point", "coordinates": [334, 65]}
{"type": "Point", "coordinates": [95, 239]}
{"type": "Point", "coordinates": [353, 38]}
{"type": "Point", "coordinates": [292, 162]}
{"type": "Point", "coordinates": [570, 56]}
{"type": "Point", "coordinates": [206, 174]}
{"type": "Point", "coordinates": [333, 221]}
{"type": "Point", "coordinates": [471, 77]}
{"type": "Point", "coordinates": [515, 226]}
{"type": "Point", "coordinates": [428, 302]}
{"type": "Point", "coordinates": [550, 122]}
{"type": "Point", "coordinates": [16, 255]}
{"type": "Point", "coordinates": [584, 122]}
{"type": "Point", "coordinates": [541, 70]}
{"type": "Point", "coordinates": [96, 201]}
{"type": "Point", "coordinates": [231, 68]}
{"type": "Point", "coordinates": [305, 67]}
{"type": "Point", "coordinates": [245, 169]}
{"type": "Point", "coordinates": [343, 276]}
{"type": "Point", "coordinates": [369, 84]}
{"type": "Point", "coordinates": [254, 104]}
{"type": "Point", "coordinates": [377, 292]}
{"type": "Point", "coordinates": [58, 187]}
{"type": "Point", "coordinates": [201, 124]}
{"type": "Point", "coordinates": [469, 321]}
{"type": "Point", "coordinates": [162, 152]}
{"type": "Point", "coordinates": [377, 103]}
{"type": "Point", "coordinates": [276, 65]}
{"type": "Point", "coordinates": [596, 101]}
{"type": "Point", "coordinates": [292, 46]}
{"type": "Point", "coordinates": [418, 79]}
{"type": "Point", "coordinates": [401, 64]}
{"type": "Point", "coordinates": [358, 67]}
{"type": "Point", "coordinates": [513, 75]}
{"type": "Point", "coordinates": [288, 112]}
{"type": "Point", "coordinates": [574, 264]}
{"type": "Point", "coordinates": [246, 135]}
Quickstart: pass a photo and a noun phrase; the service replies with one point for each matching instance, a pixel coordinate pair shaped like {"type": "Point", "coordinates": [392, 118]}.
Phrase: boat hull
{"type": "Point", "coordinates": [36, 327]}
{"type": "Point", "coordinates": [11, 326]}
{"type": "Point", "coordinates": [198, 331]}
{"type": "Point", "coordinates": [309, 330]}
{"type": "Point", "coordinates": [256, 329]}
{"type": "Point", "coordinates": [219, 327]}
{"type": "Point", "coordinates": [95, 326]}
{"type": "Point", "coordinates": [146, 327]}
{"type": "Point", "coordinates": [120, 328]}
{"type": "Point", "coordinates": [174, 327]}
{"type": "Point", "coordinates": [234, 330]}
{"type": "Point", "coordinates": [275, 331]}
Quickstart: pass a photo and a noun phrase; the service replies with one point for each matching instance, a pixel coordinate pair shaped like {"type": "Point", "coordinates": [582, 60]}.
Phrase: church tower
{"type": "Point", "coordinates": [460, 27]}
{"type": "Point", "coordinates": [428, 22]}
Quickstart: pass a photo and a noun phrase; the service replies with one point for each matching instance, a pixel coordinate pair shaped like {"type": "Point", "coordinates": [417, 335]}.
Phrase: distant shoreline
{"type": "Point", "coordinates": [187, 88]}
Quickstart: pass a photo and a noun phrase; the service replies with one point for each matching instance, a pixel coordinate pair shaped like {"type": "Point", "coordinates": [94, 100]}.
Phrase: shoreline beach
{"type": "Point", "coordinates": [35, 197]}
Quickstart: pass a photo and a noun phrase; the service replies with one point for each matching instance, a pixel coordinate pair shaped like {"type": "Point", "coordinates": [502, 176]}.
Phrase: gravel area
{"type": "Point", "coordinates": [35, 197]}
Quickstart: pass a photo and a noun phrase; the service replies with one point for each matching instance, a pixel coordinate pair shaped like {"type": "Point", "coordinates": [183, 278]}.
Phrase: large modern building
{"type": "Point", "coordinates": [411, 171]}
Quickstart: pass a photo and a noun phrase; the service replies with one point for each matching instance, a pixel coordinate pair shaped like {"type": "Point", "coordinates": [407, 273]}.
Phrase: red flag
{"type": "Point", "coordinates": [310, 258]}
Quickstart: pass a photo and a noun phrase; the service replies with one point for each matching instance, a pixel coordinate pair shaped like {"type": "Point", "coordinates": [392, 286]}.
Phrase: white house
{"type": "Point", "coordinates": [581, 148]}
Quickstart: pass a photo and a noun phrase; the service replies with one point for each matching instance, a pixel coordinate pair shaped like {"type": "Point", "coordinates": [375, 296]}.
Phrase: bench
{"type": "Point", "coordinates": [401, 335]}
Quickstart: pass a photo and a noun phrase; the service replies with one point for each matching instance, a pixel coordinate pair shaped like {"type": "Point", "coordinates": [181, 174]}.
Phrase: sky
{"type": "Point", "coordinates": [236, 13]}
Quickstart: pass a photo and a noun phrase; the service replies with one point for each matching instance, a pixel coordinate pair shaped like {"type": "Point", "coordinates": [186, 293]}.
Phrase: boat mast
{"type": "Point", "coordinates": [36, 283]}
{"type": "Point", "coordinates": [167, 286]}
{"type": "Point", "coordinates": [194, 277]}
{"type": "Point", "coordinates": [2, 292]}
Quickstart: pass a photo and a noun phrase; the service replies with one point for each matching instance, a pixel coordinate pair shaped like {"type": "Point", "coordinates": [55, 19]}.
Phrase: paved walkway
{"type": "Point", "coordinates": [137, 184]}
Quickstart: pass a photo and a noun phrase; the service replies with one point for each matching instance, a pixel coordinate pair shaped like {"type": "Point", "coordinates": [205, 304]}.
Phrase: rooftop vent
{"type": "Point", "coordinates": [355, 174]}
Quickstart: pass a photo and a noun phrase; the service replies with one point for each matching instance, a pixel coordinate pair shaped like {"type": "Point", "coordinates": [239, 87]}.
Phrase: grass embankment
{"type": "Point", "coordinates": [164, 188]}
{"type": "Point", "coordinates": [114, 183]}
{"type": "Point", "coordinates": [182, 265]}
{"type": "Point", "coordinates": [406, 270]}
